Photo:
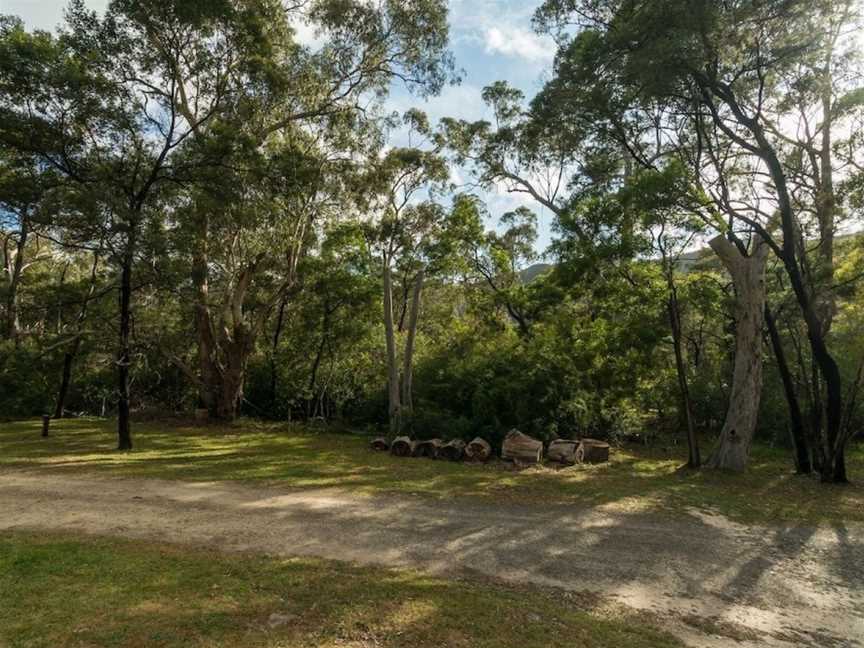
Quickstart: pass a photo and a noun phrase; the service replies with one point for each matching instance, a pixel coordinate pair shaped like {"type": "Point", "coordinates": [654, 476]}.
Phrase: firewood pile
{"type": "Point", "coordinates": [518, 448]}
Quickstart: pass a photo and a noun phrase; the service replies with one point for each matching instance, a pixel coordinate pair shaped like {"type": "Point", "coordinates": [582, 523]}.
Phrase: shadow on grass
{"type": "Point", "coordinates": [638, 477]}
{"type": "Point", "coordinates": [63, 592]}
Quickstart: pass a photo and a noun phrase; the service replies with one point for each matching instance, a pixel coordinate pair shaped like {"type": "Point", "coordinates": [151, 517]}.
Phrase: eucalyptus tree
{"type": "Point", "coordinates": [320, 100]}
{"type": "Point", "coordinates": [731, 88]}
{"type": "Point", "coordinates": [402, 230]}
{"type": "Point", "coordinates": [22, 188]}
{"type": "Point", "coordinates": [100, 104]}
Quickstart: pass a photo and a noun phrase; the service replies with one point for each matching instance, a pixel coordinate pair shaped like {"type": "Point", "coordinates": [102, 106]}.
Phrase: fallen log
{"type": "Point", "coordinates": [592, 451]}
{"type": "Point", "coordinates": [428, 448]}
{"type": "Point", "coordinates": [402, 447]}
{"type": "Point", "coordinates": [521, 448]}
{"type": "Point", "coordinates": [452, 451]}
{"type": "Point", "coordinates": [380, 444]}
{"type": "Point", "coordinates": [478, 450]}
{"type": "Point", "coordinates": [563, 451]}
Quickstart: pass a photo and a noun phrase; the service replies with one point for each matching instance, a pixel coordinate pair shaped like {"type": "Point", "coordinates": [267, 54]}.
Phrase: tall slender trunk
{"type": "Point", "coordinates": [12, 328]}
{"type": "Point", "coordinates": [319, 355]}
{"type": "Point", "coordinates": [274, 348]}
{"type": "Point", "coordinates": [408, 359]}
{"type": "Point", "coordinates": [124, 355]}
{"type": "Point", "coordinates": [694, 459]}
{"type": "Point", "coordinates": [207, 368]}
{"type": "Point", "coordinates": [72, 351]}
{"type": "Point", "coordinates": [394, 408]}
{"type": "Point", "coordinates": [801, 451]}
{"type": "Point", "coordinates": [748, 277]}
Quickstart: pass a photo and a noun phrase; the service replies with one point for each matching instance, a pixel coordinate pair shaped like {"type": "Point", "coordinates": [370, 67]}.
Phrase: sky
{"type": "Point", "coordinates": [490, 40]}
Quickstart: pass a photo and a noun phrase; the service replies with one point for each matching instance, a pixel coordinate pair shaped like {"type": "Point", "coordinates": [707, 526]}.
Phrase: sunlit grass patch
{"type": "Point", "coordinates": [637, 477]}
{"type": "Point", "coordinates": [65, 591]}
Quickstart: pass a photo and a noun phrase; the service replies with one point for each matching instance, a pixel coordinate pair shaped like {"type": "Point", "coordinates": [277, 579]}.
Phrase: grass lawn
{"type": "Point", "coordinates": [72, 592]}
{"type": "Point", "coordinates": [636, 477]}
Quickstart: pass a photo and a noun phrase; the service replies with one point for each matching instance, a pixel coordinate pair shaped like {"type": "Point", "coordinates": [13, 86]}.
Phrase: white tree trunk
{"type": "Point", "coordinates": [408, 360]}
{"type": "Point", "coordinates": [748, 276]}
{"type": "Point", "coordinates": [394, 406]}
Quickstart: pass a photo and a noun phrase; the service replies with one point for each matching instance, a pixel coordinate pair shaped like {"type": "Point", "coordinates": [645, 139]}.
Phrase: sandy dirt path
{"type": "Point", "coordinates": [773, 586]}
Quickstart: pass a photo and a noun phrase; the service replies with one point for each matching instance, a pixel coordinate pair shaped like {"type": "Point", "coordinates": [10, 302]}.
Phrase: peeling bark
{"type": "Point", "coordinates": [748, 276]}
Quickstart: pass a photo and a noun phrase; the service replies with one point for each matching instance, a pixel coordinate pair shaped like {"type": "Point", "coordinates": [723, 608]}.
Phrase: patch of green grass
{"type": "Point", "coordinates": [67, 591]}
{"type": "Point", "coordinates": [636, 478]}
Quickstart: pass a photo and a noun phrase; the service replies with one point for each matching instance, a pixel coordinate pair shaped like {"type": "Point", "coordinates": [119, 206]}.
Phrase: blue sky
{"type": "Point", "coordinates": [490, 39]}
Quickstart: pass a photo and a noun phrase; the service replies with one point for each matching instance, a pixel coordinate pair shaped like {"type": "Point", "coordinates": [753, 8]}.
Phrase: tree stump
{"type": "Point", "coordinates": [478, 450]}
{"type": "Point", "coordinates": [402, 447]}
{"type": "Point", "coordinates": [452, 451]}
{"type": "Point", "coordinates": [563, 451]}
{"type": "Point", "coordinates": [521, 448]}
{"type": "Point", "coordinates": [46, 423]}
{"type": "Point", "coordinates": [380, 444]}
{"type": "Point", "coordinates": [428, 448]}
{"type": "Point", "coordinates": [592, 451]}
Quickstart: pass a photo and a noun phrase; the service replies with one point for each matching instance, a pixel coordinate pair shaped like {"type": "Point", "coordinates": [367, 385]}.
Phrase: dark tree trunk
{"type": "Point", "coordinates": [693, 458]}
{"type": "Point", "coordinates": [124, 356]}
{"type": "Point", "coordinates": [66, 378]}
{"type": "Point", "coordinates": [274, 348]}
{"type": "Point", "coordinates": [801, 452]}
{"type": "Point", "coordinates": [72, 352]}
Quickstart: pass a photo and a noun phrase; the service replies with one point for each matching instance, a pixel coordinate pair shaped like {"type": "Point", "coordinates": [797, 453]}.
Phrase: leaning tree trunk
{"type": "Point", "coordinates": [748, 276]}
{"type": "Point", "coordinates": [408, 359]}
{"type": "Point", "coordinates": [394, 406]}
{"type": "Point", "coordinates": [694, 460]}
{"type": "Point", "coordinates": [796, 419]}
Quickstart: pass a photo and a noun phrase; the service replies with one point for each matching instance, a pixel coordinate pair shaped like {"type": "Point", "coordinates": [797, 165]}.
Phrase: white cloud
{"type": "Point", "coordinates": [518, 42]}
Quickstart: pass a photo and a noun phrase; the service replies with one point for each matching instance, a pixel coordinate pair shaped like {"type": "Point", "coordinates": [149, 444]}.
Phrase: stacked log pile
{"type": "Point", "coordinates": [381, 444]}
{"type": "Point", "coordinates": [478, 450]}
{"type": "Point", "coordinates": [521, 448]}
{"type": "Point", "coordinates": [592, 451]}
{"type": "Point", "coordinates": [428, 448]}
{"type": "Point", "coordinates": [402, 447]}
{"type": "Point", "coordinates": [452, 451]}
{"type": "Point", "coordinates": [563, 451]}
{"type": "Point", "coordinates": [517, 447]}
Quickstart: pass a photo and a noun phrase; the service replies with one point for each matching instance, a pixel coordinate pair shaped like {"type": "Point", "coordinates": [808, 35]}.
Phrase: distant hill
{"type": "Point", "coordinates": [530, 273]}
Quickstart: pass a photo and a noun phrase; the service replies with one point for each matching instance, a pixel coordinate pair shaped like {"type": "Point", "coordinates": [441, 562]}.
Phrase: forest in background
{"type": "Point", "coordinates": [198, 212]}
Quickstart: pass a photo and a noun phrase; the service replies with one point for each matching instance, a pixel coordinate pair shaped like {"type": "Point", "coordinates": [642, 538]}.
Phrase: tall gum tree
{"type": "Point", "coordinates": [687, 66]}
{"type": "Point", "coordinates": [315, 93]}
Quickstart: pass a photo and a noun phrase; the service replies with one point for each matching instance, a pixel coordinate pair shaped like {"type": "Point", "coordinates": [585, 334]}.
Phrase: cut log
{"type": "Point", "coordinates": [563, 451]}
{"type": "Point", "coordinates": [402, 447]}
{"type": "Point", "coordinates": [428, 448]}
{"type": "Point", "coordinates": [453, 450]}
{"type": "Point", "coordinates": [478, 450]}
{"type": "Point", "coordinates": [521, 448]}
{"type": "Point", "coordinates": [592, 451]}
{"type": "Point", "coordinates": [202, 414]}
{"type": "Point", "coordinates": [381, 444]}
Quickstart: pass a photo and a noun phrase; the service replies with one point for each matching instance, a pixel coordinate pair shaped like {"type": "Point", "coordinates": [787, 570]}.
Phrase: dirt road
{"type": "Point", "coordinates": [767, 586]}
